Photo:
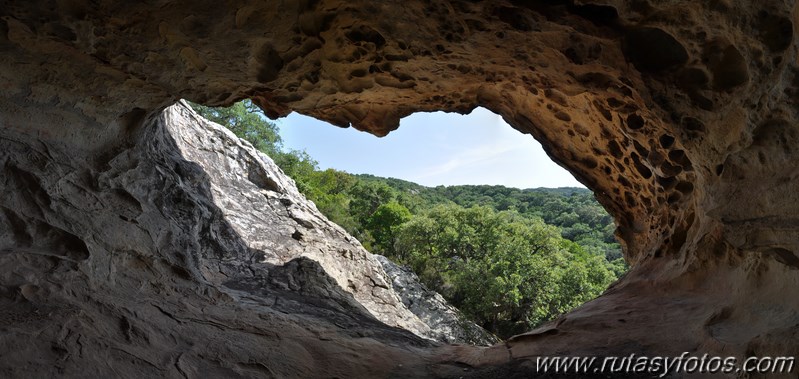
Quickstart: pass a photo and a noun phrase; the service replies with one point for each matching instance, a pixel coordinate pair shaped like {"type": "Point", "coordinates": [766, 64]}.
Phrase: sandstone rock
{"type": "Point", "coordinates": [114, 254]}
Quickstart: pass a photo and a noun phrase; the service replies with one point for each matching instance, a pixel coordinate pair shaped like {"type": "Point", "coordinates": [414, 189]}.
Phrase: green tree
{"type": "Point", "coordinates": [367, 196]}
{"type": "Point", "coordinates": [248, 122]}
{"type": "Point", "coordinates": [384, 223]}
{"type": "Point", "coordinates": [507, 272]}
{"type": "Point", "coordinates": [299, 166]}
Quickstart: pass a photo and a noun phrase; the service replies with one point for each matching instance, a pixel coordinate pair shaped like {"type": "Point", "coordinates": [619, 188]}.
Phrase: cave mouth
{"type": "Point", "coordinates": [688, 153]}
{"type": "Point", "coordinates": [445, 200]}
{"type": "Point", "coordinates": [432, 149]}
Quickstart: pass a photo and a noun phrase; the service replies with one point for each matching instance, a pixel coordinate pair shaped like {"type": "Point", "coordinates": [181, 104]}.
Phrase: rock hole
{"type": "Point", "coordinates": [596, 13]}
{"type": "Point", "coordinates": [401, 76]}
{"type": "Point", "coordinates": [602, 110]}
{"type": "Point", "coordinates": [629, 199]}
{"type": "Point", "coordinates": [590, 163]}
{"type": "Point", "coordinates": [614, 149]}
{"type": "Point", "coordinates": [635, 122]}
{"type": "Point", "coordinates": [776, 32]}
{"type": "Point", "coordinates": [679, 157]}
{"type": "Point", "coordinates": [642, 151]}
{"type": "Point", "coordinates": [784, 256]}
{"type": "Point", "coordinates": [761, 157]}
{"type": "Point", "coordinates": [597, 80]}
{"type": "Point", "coordinates": [667, 183]}
{"type": "Point", "coordinates": [685, 187]}
{"type": "Point", "coordinates": [669, 170]}
{"type": "Point", "coordinates": [678, 238]}
{"type": "Point", "coordinates": [666, 141]}
{"type": "Point", "coordinates": [614, 102]}
{"type": "Point", "coordinates": [620, 167]}
{"type": "Point", "coordinates": [516, 18]}
{"type": "Point", "coordinates": [693, 124]}
{"type": "Point", "coordinates": [640, 167]}
{"type": "Point", "coordinates": [727, 64]}
{"type": "Point", "coordinates": [693, 78]}
{"type": "Point", "coordinates": [181, 272]}
{"type": "Point", "coordinates": [476, 25]}
{"type": "Point", "coordinates": [61, 32]}
{"type": "Point", "coordinates": [358, 73]}
{"type": "Point", "coordinates": [563, 116]}
{"type": "Point", "coordinates": [270, 64]}
{"type": "Point", "coordinates": [363, 33]}
{"type": "Point", "coordinates": [653, 49]}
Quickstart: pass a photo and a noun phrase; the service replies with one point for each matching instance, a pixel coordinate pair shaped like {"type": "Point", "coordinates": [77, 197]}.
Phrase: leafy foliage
{"type": "Point", "coordinates": [507, 272]}
{"type": "Point", "coordinates": [509, 258]}
{"type": "Point", "coordinates": [385, 223]}
{"type": "Point", "coordinates": [244, 120]}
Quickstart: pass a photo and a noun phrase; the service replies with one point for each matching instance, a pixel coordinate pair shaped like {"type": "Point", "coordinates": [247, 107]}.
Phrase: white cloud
{"type": "Point", "coordinates": [467, 158]}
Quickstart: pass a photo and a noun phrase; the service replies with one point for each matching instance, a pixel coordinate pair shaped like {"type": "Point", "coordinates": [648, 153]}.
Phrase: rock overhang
{"type": "Point", "coordinates": [680, 116]}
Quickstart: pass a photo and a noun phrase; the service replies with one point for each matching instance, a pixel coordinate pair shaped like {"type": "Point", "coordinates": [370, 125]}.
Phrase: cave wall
{"type": "Point", "coordinates": [681, 116]}
{"type": "Point", "coordinates": [126, 267]}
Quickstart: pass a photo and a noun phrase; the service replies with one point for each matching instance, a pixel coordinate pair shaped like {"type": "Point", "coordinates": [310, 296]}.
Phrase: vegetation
{"type": "Point", "coordinates": [510, 259]}
{"type": "Point", "coordinates": [244, 120]}
{"type": "Point", "coordinates": [508, 272]}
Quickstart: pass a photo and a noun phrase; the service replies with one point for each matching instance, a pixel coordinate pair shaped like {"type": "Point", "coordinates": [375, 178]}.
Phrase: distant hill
{"type": "Point", "coordinates": [574, 210]}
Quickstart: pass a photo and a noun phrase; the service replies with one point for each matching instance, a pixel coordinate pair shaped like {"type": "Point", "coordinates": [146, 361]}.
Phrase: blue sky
{"type": "Point", "coordinates": [432, 149]}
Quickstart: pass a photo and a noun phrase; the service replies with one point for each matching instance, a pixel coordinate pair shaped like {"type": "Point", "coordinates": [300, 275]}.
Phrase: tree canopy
{"type": "Point", "coordinates": [244, 120]}
{"type": "Point", "coordinates": [506, 271]}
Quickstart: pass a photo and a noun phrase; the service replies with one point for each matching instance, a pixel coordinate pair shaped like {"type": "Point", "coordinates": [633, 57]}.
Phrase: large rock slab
{"type": "Point", "coordinates": [100, 269]}
{"type": "Point", "coordinates": [265, 209]}
{"type": "Point", "coordinates": [681, 116]}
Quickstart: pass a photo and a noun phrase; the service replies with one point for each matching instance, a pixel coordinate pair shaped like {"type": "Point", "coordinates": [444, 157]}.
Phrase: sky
{"type": "Point", "coordinates": [431, 149]}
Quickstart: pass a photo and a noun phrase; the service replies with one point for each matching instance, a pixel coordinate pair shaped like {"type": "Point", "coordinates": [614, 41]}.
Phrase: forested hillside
{"type": "Point", "coordinates": [508, 258]}
{"type": "Point", "coordinates": [574, 210]}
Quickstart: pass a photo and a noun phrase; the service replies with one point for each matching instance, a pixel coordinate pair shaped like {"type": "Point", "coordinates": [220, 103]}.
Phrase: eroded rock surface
{"type": "Point", "coordinates": [103, 275]}
{"type": "Point", "coordinates": [681, 116]}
